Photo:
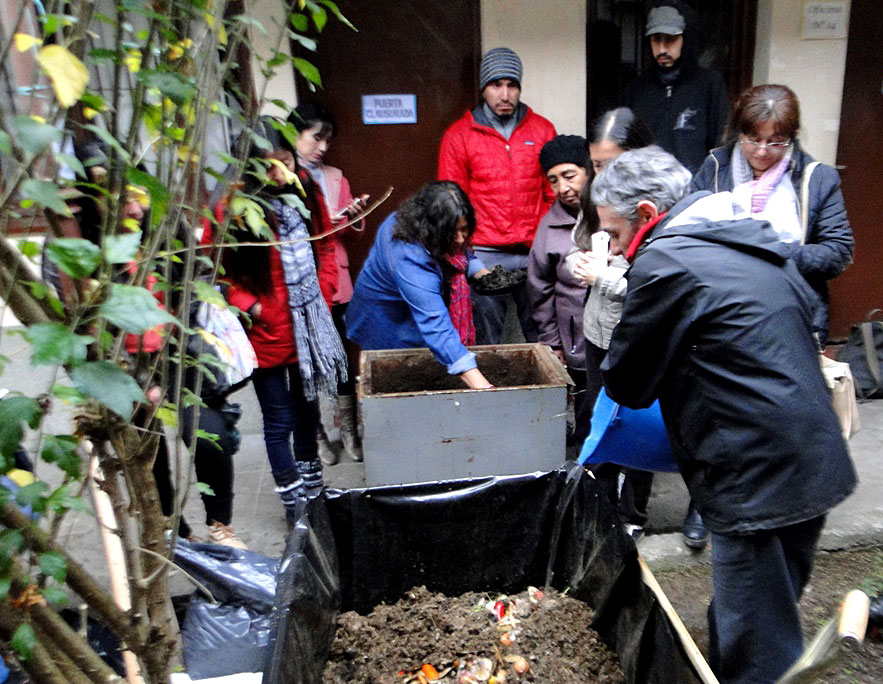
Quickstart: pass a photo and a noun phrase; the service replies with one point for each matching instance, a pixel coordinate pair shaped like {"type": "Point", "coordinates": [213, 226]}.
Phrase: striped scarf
{"type": "Point", "coordinates": [460, 304]}
{"type": "Point", "coordinates": [320, 354]}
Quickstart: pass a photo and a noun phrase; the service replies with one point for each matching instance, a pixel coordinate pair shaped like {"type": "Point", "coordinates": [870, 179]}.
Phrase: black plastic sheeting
{"type": "Point", "coordinates": [352, 550]}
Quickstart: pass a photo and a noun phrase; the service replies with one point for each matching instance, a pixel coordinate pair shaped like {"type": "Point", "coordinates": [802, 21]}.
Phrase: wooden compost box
{"type": "Point", "coordinates": [423, 425]}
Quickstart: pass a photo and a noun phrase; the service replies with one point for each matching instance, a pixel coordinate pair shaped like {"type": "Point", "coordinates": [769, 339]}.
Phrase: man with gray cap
{"type": "Point", "coordinates": [685, 105]}
{"type": "Point", "coordinates": [493, 152]}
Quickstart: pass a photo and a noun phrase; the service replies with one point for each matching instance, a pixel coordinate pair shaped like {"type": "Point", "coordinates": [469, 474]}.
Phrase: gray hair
{"type": "Point", "coordinates": [647, 173]}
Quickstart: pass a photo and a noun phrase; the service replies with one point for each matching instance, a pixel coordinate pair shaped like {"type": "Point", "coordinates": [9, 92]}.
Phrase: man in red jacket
{"type": "Point", "coordinates": [493, 153]}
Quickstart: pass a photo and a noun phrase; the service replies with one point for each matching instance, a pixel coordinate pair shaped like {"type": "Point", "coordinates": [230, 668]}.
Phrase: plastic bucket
{"type": "Point", "coordinates": [635, 438]}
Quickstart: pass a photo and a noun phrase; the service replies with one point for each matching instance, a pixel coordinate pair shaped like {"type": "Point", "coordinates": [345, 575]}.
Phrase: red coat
{"type": "Point", "coordinates": [503, 179]}
{"type": "Point", "coordinates": [271, 334]}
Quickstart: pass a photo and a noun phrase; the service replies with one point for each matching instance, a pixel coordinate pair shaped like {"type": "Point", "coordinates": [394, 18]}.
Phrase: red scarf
{"type": "Point", "coordinates": [460, 306]}
{"type": "Point", "coordinates": [640, 235]}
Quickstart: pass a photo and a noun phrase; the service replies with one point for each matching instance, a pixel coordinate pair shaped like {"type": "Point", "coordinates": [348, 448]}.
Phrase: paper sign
{"type": "Point", "coordinates": [824, 19]}
{"type": "Point", "coordinates": [389, 109]}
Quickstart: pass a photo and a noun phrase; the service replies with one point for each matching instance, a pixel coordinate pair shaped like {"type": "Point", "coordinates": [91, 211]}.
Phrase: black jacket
{"type": "Point", "coordinates": [688, 118]}
{"type": "Point", "coordinates": [717, 324]}
{"type": "Point", "coordinates": [829, 245]}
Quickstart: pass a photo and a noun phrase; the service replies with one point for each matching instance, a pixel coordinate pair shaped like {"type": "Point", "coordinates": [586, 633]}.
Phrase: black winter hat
{"type": "Point", "coordinates": [564, 149]}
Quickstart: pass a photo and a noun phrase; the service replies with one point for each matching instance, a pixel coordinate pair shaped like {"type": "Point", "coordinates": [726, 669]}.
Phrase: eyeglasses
{"type": "Point", "coordinates": [772, 146]}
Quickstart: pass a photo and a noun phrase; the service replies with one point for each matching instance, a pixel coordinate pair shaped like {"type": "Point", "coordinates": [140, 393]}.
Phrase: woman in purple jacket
{"type": "Point", "coordinates": [557, 298]}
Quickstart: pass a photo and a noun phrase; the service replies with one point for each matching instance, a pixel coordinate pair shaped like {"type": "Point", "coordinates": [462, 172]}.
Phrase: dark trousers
{"type": "Point", "coordinates": [627, 489]}
{"type": "Point", "coordinates": [290, 421]}
{"type": "Point", "coordinates": [489, 312]}
{"type": "Point", "coordinates": [338, 311]}
{"type": "Point", "coordinates": [753, 620]}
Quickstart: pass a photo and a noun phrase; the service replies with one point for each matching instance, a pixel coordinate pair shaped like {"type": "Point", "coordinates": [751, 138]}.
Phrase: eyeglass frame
{"type": "Point", "coordinates": [771, 146]}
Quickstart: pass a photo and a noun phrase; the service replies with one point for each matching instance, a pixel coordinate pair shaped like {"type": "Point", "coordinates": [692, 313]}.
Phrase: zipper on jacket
{"type": "Point", "coordinates": [668, 90]}
{"type": "Point", "coordinates": [509, 150]}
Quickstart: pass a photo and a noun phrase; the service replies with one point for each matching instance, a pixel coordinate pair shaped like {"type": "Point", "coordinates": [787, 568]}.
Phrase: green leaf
{"type": "Point", "coordinates": [5, 144]}
{"type": "Point", "coordinates": [46, 194]}
{"type": "Point", "coordinates": [13, 412]}
{"type": "Point", "coordinates": [159, 193]}
{"type": "Point", "coordinates": [168, 416]}
{"type": "Point", "coordinates": [53, 22]}
{"type": "Point", "coordinates": [32, 136]}
{"type": "Point", "coordinates": [32, 495]}
{"type": "Point", "coordinates": [23, 641]}
{"type": "Point", "coordinates": [68, 395]}
{"type": "Point", "coordinates": [75, 256]}
{"type": "Point", "coordinates": [287, 129]}
{"type": "Point", "coordinates": [29, 248]}
{"type": "Point", "coordinates": [104, 55]}
{"type": "Point", "coordinates": [208, 293]}
{"type": "Point", "coordinates": [53, 344]}
{"type": "Point", "coordinates": [72, 163]}
{"type": "Point", "coordinates": [11, 542]}
{"type": "Point", "coordinates": [307, 70]}
{"type": "Point", "coordinates": [204, 489]}
{"type": "Point", "coordinates": [5, 584]}
{"type": "Point", "coordinates": [299, 21]}
{"type": "Point", "coordinates": [55, 596]}
{"type": "Point", "coordinates": [209, 436]}
{"type": "Point", "coordinates": [122, 248]}
{"type": "Point", "coordinates": [62, 450]}
{"type": "Point", "coordinates": [110, 141]}
{"type": "Point", "coordinates": [295, 202]}
{"type": "Point", "coordinates": [308, 43]}
{"type": "Point", "coordinates": [178, 89]}
{"type": "Point", "coordinates": [335, 10]}
{"type": "Point", "coordinates": [260, 142]}
{"type": "Point", "coordinates": [53, 564]}
{"type": "Point", "coordinates": [134, 309]}
{"type": "Point", "coordinates": [61, 500]}
{"type": "Point", "coordinates": [320, 16]}
{"type": "Point", "coordinates": [109, 384]}
{"type": "Point", "coordinates": [251, 212]}
{"type": "Point", "coordinates": [94, 101]}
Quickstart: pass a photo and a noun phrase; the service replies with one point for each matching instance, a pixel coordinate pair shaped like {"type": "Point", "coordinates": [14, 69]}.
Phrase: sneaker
{"type": "Point", "coordinates": [221, 534]}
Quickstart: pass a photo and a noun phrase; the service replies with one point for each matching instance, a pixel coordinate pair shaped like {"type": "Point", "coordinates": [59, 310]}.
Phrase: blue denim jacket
{"type": "Point", "coordinates": [397, 302]}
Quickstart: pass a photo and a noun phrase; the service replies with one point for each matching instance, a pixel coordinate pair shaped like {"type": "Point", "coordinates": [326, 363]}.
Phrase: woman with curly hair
{"type": "Point", "coordinates": [413, 290]}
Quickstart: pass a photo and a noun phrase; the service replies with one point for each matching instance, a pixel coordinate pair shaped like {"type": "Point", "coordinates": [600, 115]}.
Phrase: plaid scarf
{"type": "Point", "coordinates": [460, 304]}
{"type": "Point", "coordinates": [320, 354]}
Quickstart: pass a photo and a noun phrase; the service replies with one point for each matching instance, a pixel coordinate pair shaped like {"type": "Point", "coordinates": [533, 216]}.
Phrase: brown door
{"type": "Point", "coordinates": [427, 49]}
{"type": "Point", "coordinates": [860, 158]}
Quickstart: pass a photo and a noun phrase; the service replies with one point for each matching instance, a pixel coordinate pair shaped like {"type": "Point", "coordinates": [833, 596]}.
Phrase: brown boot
{"type": "Point", "coordinates": [349, 431]}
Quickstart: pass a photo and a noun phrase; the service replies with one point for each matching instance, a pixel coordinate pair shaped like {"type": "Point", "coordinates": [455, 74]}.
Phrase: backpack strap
{"type": "Point", "coordinates": [804, 199]}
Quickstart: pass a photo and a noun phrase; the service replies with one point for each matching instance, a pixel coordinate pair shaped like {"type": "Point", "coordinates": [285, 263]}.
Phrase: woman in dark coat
{"type": "Point", "coordinates": [771, 176]}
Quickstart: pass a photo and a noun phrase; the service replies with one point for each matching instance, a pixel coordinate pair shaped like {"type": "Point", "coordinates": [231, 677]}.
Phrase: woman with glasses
{"type": "Point", "coordinates": [773, 178]}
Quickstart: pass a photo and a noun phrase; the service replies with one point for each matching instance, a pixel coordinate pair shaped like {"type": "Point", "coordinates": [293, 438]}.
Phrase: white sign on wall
{"type": "Point", "coordinates": [389, 109]}
{"type": "Point", "coordinates": [825, 19]}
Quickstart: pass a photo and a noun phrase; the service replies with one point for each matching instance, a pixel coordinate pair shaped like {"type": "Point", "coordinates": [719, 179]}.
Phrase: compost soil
{"type": "Point", "coordinates": [425, 374]}
{"type": "Point", "coordinates": [499, 281]}
{"type": "Point", "coordinates": [834, 575]}
{"type": "Point", "coordinates": [394, 641]}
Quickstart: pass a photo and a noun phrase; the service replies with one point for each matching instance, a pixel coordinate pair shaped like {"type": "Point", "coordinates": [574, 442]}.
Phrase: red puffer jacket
{"type": "Point", "coordinates": [503, 178]}
{"type": "Point", "coordinates": [271, 333]}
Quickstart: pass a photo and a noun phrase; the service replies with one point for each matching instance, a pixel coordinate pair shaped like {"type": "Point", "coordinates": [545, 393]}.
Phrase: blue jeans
{"type": "Point", "coordinates": [489, 311]}
{"type": "Point", "coordinates": [753, 622]}
{"type": "Point", "coordinates": [289, 419]}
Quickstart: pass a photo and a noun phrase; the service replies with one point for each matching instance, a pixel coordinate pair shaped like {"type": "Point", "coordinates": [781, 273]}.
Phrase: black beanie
{"type": "Point", "coordinates": [564, 149]}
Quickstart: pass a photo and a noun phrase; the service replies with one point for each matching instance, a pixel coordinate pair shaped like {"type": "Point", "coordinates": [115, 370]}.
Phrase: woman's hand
{"type": "Point", "coordinates": [588, 267]}
{"type": "Point", "coordinates": [255, 310]}
{"type": "Point", "coordinates": [474, 379]}
{"type": "Point", "coordinates": [354, 207]}
{"type": "Point", "coordinates": [481, 274]}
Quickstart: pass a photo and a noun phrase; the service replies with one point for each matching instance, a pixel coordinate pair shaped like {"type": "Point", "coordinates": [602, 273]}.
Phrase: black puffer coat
{"type": "Point", "coordinates": [717, 325]}
{"type": "Point", "coordinates": [829, 245]}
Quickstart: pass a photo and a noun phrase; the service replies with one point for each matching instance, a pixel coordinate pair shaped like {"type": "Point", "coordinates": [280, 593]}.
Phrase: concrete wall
{"type": "Point", "coordinates": [281, 86]}
{"type": "Point", "coordinates": [550, 38]}
{"type": "Point", "coordinates": [813, 69]}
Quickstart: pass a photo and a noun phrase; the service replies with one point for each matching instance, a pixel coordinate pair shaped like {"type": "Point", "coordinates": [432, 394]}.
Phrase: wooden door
{"type": "Point", "coordinates": [860, 160]}
{"type": "Point", "coordinates": [428, 49]}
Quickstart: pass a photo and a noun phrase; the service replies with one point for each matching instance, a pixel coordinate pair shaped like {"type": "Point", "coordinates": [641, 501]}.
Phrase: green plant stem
{"type": "Point", "coordinates": [40, 666]}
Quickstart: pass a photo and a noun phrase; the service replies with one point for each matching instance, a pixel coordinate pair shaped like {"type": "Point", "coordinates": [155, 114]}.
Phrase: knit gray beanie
{"type": "Point", "coordinates": [499, 63]}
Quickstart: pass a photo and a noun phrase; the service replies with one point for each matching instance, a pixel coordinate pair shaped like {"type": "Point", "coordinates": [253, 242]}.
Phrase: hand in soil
{"type": "Point", "coordinates": [532, 636]}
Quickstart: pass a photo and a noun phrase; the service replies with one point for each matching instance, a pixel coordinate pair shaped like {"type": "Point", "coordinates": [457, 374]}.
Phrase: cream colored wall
{"type": "Point", "coordinates": [550, 39]}
{"type": "Point", "coordinates": [281, 86]}
{"type": "Point", "coordinates": [813, 69]}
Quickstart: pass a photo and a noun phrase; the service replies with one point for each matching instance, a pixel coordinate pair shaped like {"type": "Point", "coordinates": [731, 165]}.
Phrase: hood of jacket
{"type": "Point", "coordinates": [717, 218]}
